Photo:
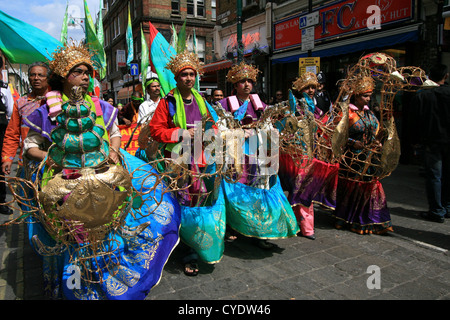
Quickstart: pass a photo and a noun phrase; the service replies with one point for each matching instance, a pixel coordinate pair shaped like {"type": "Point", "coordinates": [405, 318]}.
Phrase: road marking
{"type": "Point", "coordinates": [420, 243]}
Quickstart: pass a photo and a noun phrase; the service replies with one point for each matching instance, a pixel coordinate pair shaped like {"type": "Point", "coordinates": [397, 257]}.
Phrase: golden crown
{"type": "Point", "coordinates": [184, 60]}
{"type": "Point", "coordinates": [67, 57]}
{"type": "Point", "coordinates": [242, 71]}
{"type": "Point", "coordinates": [305, 80]}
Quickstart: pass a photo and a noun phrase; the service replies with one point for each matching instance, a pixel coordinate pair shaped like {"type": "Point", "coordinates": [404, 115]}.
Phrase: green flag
{"type": "Point", "coordinates": [181, 39]}
{"type": "Point", "coordinates": [100, 35]}
{"type": "Point", "coordinates": [93, 43]}
{"type": "Point", "coordinates": [197, 79]}
{"type": "Point", "coordinates": [63, 38]}
{"type": "Point", "coordinates": [144, 60]}
{"type": "Point", "coordinates": [129, 37]}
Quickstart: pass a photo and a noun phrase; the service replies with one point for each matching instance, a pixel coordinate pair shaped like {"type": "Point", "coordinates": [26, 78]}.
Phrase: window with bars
{"type": "Point", "coordinates": [175, 6]}
{"type": "Point", "coordinates": [201, 47]}
{"type": "Point", "coordinates": [213, 9]}
{"type": "Point", "coordinates": [246, 3]}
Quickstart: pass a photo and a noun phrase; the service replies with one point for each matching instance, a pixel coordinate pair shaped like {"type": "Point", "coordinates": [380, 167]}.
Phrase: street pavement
{"type": "Point", "coordinates": [412, 263]}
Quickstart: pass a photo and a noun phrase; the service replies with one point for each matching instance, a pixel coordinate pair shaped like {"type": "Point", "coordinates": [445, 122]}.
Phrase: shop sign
{"type": "Point", "coordinates": [121, 58]}
{"type": "Point", "coordinates": [250, 39]}
{"type": "Point", "coordinates": [343, 18]}
{"type": "Point", "coordinates": [130, 133]}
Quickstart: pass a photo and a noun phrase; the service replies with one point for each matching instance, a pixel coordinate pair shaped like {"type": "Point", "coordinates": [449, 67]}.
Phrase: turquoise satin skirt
{"type": "Point", "coordinates": [203, 229]}
{"type": "Point", "coordinates": [259, 213]}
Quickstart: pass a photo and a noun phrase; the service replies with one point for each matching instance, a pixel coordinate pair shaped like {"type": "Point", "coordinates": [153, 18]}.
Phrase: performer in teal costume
{"type": "Point", "coordinates": [194, 182]}
{"type": "Point", "coordinates": [256, 205]}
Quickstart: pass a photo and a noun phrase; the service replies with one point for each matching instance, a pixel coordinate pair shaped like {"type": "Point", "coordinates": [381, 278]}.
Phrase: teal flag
{"type": "Point", "coordinates": [161, 52]}
{"type": "Point", "coordinates": [129, 38]}
{"type": "Point", "coordinates": [93, 43]}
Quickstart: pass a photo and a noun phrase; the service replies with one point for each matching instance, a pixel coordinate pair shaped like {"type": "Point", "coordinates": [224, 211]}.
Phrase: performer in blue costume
{"type": "Point", "coordinates": [195, 183]}
{"type": "Point", "coordinates": [256, 205]}
{"type": "Point", "coordinates": [103, 225]}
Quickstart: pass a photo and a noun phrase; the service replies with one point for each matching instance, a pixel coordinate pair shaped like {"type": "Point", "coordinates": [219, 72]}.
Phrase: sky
{"type": "Point", "coordinates": [48, 15]}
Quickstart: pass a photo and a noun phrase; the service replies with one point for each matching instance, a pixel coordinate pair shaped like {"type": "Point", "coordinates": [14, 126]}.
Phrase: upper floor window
{"type": "Point", "coordinates": [200, 47]}
{"type": "Point", "coordinates": [175, 6]}
{"type": "Point", "coordinates": [196, 8]}
{"type": "Point", "coordinates": [246, 3]}
{"type": "Point", "coordinates": [213, 9]}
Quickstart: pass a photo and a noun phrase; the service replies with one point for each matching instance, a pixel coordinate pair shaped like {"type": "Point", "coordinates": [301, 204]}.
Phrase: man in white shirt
{"type": "Point", "coordinates": [148, 107]}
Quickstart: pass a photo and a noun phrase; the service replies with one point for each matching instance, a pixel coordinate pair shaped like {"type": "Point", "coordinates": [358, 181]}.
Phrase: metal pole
{"type": "Point", "coordinates": [310, 6]}
{"type": "Point", "coordinates": [240, 48]}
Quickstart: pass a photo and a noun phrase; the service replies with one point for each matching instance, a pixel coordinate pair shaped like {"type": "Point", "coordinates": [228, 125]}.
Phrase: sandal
{"type": "Point", "coordinates": [191, 268]}
{"type": "Point", "coordinates": [230, 237]}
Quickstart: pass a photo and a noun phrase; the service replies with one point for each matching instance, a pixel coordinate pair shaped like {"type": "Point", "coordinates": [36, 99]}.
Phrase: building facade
{"type": "Point", "coordinates": [343, 31]}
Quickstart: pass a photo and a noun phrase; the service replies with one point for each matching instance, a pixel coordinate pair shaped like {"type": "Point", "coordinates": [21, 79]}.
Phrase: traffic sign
{"type": "Point", "coordinates": [134, 69]}
{"type": "Point", "coordinates": [309, 20]}
{"type": "Point", "coordinates": [309, 64]}
{"type": "Point", "coordinates": [308, 39]}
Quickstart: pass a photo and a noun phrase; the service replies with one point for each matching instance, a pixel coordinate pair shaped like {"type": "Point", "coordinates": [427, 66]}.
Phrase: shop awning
{"type": "Point", "coordinates": [215, 66]}
{"type": "Point", "coordinates": [355, 44]}
{"type": "Point", "coordinates": [125, 93]}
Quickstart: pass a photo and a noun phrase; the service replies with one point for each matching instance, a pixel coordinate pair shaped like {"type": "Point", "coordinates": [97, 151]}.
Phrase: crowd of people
{"type": "Point", "coordinates": [250, 202]}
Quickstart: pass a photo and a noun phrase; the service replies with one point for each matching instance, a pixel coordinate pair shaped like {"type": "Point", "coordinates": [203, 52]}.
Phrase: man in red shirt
{"type": "Point", "coordinates": [15, 131]}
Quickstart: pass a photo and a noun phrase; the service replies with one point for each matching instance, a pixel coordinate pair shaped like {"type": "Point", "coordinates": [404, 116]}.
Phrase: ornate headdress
{"type": "Point", "coordinates": [69, 56]}
{"type": "Point", "coordinates": [362, 85]}
{"type": "Point", "coordinates": [185, 60]}
{"type": "Point", "coordinates": [306, 79]}
{"type": "Point", "coordinates": [242, 71]}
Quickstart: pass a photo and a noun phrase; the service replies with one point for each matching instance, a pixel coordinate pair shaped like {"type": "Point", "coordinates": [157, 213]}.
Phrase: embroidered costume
{"type": "Point", "coordinates": [256, 205]}
{"type": "Point", "coordinates": [360, 198]}
{"type": "Point", "coordinates": [306, 180]}
{"type": "Point", "coordinates": [198, 193]}
{"type": "Point", "coordinates": [103, 231]}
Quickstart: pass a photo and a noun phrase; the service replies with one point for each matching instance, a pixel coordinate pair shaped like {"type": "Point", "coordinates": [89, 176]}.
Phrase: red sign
{"type": "Point", "coordinates": [128, 132]}
{"type": "Point", "coordinates": [342, 18]}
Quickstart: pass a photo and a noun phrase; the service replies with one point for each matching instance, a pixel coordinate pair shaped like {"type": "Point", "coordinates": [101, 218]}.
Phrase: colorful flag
{"type": "Point", "coordinates": [63, 38]}
{"type": "Point", "coordinates": [161, 52]}
{"type": "Point", "coordinates": [100, 36]}
{"type": "Point", "coordinates": [93, 43]}
{"type": "Point", "coordinates": [197, 79]}
{"type": "Point", "coordinates": [174, 38]}
{"type": "Point", "coordinates": [23, 43]}
{"type": "Point", "coordinates": [129, 37]}
{"type": "Point", "coordinates": [181, 43]}
{"type": "Point", "coordinates": [144, 60]}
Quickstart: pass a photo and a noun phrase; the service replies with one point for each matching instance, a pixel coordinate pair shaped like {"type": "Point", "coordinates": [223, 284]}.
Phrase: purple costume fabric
{"type": "Point", "coordinates": [250, 115]}
{"type": "Point", "coordinates": [40, 122]}
{"type": "Point", "coordinates": [249, 173]}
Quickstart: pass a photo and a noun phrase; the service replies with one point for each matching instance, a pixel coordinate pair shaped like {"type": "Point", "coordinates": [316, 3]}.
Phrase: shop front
{"type": "Point", "coordinates": [345, 31]}
{"type": "Point", "coordinates": [255, 51]}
